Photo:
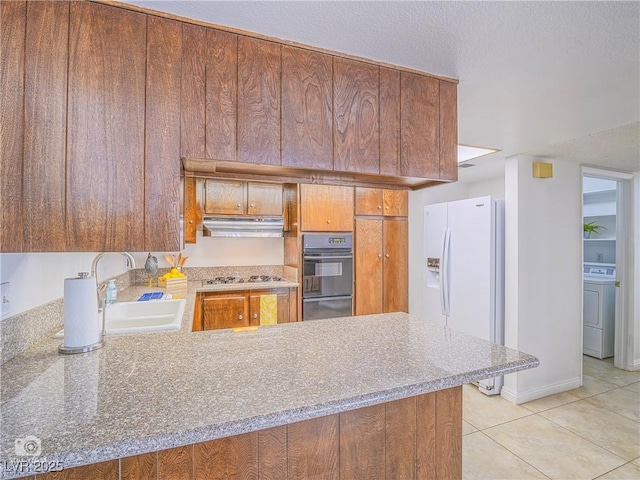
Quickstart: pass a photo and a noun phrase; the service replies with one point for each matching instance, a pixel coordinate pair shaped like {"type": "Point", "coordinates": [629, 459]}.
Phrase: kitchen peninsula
{"type": "Point", "coordinates": [376, 396]}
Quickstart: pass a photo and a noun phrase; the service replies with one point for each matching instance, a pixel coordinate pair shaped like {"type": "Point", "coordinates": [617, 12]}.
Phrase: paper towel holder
{"type": "Point", "coordinates": [94, 346]}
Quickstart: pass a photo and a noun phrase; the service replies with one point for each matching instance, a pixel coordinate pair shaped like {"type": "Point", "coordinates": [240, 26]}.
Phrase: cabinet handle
{"type": "Point", "coordinates": [240, 317]}
{"type": "Point", "coordinates": [387, 207]}
{"type": "Point", "coordinates": [386, 255]}
{"type": "Point", "coordinates": [190, 222]}
{"type": "Point", "coordinates": [251, 205]}
{"type": "Point", "coordinates": [238, 205]}
{"type": "Point", "coordinates": [255, 315]}
{"type": "Point", "coordinates": [379, 207]}
{"type": "Point", "coordinates": [328, 221]}
{"type": "Point", "coordinates": [379, 255]}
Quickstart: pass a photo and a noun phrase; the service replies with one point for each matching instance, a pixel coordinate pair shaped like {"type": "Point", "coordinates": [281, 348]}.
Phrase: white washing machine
{"type": "Point", "coordinates": [599, 307]}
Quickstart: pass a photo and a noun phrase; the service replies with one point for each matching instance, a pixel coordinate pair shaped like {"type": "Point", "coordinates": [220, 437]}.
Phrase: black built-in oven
{"type": "Point", "coordinates": [327, 275]}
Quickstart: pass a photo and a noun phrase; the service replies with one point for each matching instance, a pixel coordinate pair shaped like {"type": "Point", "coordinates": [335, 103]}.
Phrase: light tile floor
{"type": "Point", "coordinates": [587, 433]}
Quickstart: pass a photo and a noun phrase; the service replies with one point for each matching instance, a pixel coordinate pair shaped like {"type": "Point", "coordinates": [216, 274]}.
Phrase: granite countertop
{"type": "Point", "coordinates": [154, 391]}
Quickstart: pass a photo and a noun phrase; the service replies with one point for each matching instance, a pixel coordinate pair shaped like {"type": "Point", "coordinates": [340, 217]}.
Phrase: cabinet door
{"type": "Point", "coordinates": [162, 135]}
{"type": "Point", "coordinates": [396, 265]}
{"type": "Point", "coordinates": [258, 101]}
{"type": "Point", "coordinates": [13, 16]}
{"type": "Point", "coordinates": [45, 122]}
{"type": "Point", "coordinates": [264, 199]}
{"type": "Point", "coordinates": [282, 308]}
{"type": "Point", "coordinates": [326, 208]}
{"type": "Point", "coordinates": [368, 266]}
{"type": "Point", "coordinates": [389, 121]}
{"type": "Point", "coordinates": [396, 203]}
{"type": "Point", "coordinates": [307, 136]}
{"type": "Point", "coordinates": [224, 311]}
{"type": "Point", "coordinates": [448, 131]}
{"type": "Point", "coordinates": [419, 124]}
{"type": "Point", "coordinates": [368, 201]}
{"type": "Point", "coordinates": [105, 134]}
{"type": "Point", "coordinates": [355, 116]}
{"type": "Point", "coordinates": [193, 93]}
{"type": "Point", "coordinates": [224, 198]}
{"type": "Point", "coordinates": [221, 94]}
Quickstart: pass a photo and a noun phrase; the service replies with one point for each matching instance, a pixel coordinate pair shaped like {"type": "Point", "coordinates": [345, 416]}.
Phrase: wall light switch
{"type": "Point", "coordinates": [5, 298]}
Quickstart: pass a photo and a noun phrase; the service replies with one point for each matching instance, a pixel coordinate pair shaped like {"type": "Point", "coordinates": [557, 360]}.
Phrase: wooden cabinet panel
{"type": "Point", "coordinates": [448, 131]}
{"type": "Point", "coordinates": [355, 116]}
{"type": "Point", "coordinates": [326, 208]}
{"type": "Point", "coordinates": [362, 443]}
{"type": "Point", "coordinates": [396, 265]}
{"type": "Point", "coordinates": [162, 135]}
{"type": "Point", "coordinates": [426, 436]}
{"type": "Point", "coordinates": [104, 471]}
{"type": "Point", "coordinates": [224, 198]}
{"type": "Point", "coordinates": [368, 201]}
{"type": "Point", "coordinates": [258, 101]}
{"type": "Point", "coordinates": [313, 449]}
{"type": "Point", "coordinates": [191, 208]}
{"type": "Point", "coordinates": [12, 47]}
{"type": "Point", "coordinates": [272, 448]}
{"type": "Point", "coordinates": [400, 438]}
{"type": "Point", "coordinates": [254, 310]}
{"type": "Point", "coordinates": [307, 134]}
{"type": "Point", "coordinates": [221, 94]}
{"type": "Point", "coordinates": [368, 267]}
{"type": "Point", "coordinates": [139, 467]}
{"type": "Point", "coordinates": [175, 463]}
{"type": "Point", "coordinates": [193, 93]}
{"type": "Point", "coordinates": [264, 199]}
{"type": "Point", "coordinates": [448, 445]}
{"type": "Point", "coordinates": [105, 135]}
{"type": "Point", "coordinates": [389, 121]}
{"type": "Point", "coordinates": [396, 203]}
{"type": "Point", "coordinates": [233, 457]}
{"type": "Point", "coordinates": [45, 117]}
{"type": "Point", "coordinates": [420, 147]}
{"type": "Point", "coordinates": [224, 311]}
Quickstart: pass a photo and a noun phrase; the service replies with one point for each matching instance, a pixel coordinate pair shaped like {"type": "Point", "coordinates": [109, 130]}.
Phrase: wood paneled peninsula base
{"type": "Point", "coordinates": [371, 396]}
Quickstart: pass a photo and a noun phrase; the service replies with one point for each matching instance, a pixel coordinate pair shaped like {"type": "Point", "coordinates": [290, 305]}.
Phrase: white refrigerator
{"type": "Point", "coordinates": [464, 270]}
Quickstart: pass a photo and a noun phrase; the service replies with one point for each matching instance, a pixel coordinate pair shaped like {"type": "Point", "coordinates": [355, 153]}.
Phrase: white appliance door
{"type": "Point", "coordinates": [471, 268]}
{"type": "Point", "coordinates": [435, 223]}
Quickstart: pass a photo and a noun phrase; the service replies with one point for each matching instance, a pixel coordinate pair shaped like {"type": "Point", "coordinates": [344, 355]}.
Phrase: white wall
{"type": "Point", "coordinates": [635, 280]}
{"type": "Point", "coordinates": [543, 309]}
{"type": "Point", "coordinates": [38, 278]}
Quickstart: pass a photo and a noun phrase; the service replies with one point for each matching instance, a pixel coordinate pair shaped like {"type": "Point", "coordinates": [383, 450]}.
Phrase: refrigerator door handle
{"type": "Point", "coordinates": [444, 275]}
{"type": "Point", "coordinates": [441, 276]}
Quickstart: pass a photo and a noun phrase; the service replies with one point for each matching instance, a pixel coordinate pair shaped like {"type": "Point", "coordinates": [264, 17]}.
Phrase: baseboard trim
{"type": "Point", "coordinates": [524, 397]}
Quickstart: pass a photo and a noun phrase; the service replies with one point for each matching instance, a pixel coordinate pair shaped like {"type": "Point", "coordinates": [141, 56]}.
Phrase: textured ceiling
{"type": "Point", "coordinates": [532, 74]}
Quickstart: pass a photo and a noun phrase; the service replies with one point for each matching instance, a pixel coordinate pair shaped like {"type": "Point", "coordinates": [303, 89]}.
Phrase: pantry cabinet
{"type": "Point", "coordinates": [381, 265]}
{"type": "Point", "coordinates": [242, 198]}
{"type": "Point", "coordinates": [377, 201]}
{"type": "Point", "coordinates": [237, 309]}
{"type": "Point", "coordinates": [326, 208]}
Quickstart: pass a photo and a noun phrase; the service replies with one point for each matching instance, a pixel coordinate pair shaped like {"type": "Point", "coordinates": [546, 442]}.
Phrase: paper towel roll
{"type": "Point", "coordinates": [81, 320]}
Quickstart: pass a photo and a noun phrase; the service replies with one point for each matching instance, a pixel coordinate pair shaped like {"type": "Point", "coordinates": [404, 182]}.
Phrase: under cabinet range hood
{"type": "Point", "coordinates": [243, 227]}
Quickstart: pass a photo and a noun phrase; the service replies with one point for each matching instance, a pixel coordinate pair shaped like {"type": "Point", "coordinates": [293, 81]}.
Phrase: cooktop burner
{"type": "Point", "coordinates": [251, 279]}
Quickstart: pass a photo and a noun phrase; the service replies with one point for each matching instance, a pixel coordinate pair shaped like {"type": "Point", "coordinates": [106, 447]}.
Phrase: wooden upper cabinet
{"type": "Point", "coordinates": [389, 121]}
{"type": "Point", "coordinates": [448, 131]}
{"type": "Point", "coordinates": [307, 135]}
{"type": "Point", "coordinates": [258, 101]}
{"type": "Point", "coordinates": [420, 143]}
{"type": "Point", "coordinates": [356, 135]}
{"type": "Point", "coordinates": [377, 201]}
{"type": "Point", "coordinates": [264, 199]}
{"type": "Point", "coordinates": [105, 132]}
{"type": "Point", "coordinates": [224, 198]}
{"type": "Point", "coordinates": [13, 16]}
{"type": "Point", "coordinates": [221, 94]}
{"type": "Point", "coordinates": [326, 208]}
{"type": "Point", "coordinates": [193, 92]}
{"type": "Point", "coordinates": [162, 135]}
{"type": "Point", "coordinates": [45, 118]}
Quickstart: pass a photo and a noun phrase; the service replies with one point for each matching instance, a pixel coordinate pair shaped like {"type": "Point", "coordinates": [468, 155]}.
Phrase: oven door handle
{"type": "Point", "coordinates": [328, 257]}
{"type": "Point", "coordinates": [324, 299]}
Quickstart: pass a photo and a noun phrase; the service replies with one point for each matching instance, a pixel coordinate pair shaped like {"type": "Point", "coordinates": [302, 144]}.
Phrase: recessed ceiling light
{"type": "Point", "coordinates": [466, 152]}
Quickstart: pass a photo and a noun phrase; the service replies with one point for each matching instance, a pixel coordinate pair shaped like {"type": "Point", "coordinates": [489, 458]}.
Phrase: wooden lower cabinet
{"type": "Point", "coordinates": [381, 265]}
{"type": "Point", "coordinates": [241, 309]}
{"type": "Point", "coordinates": [413, 438]}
